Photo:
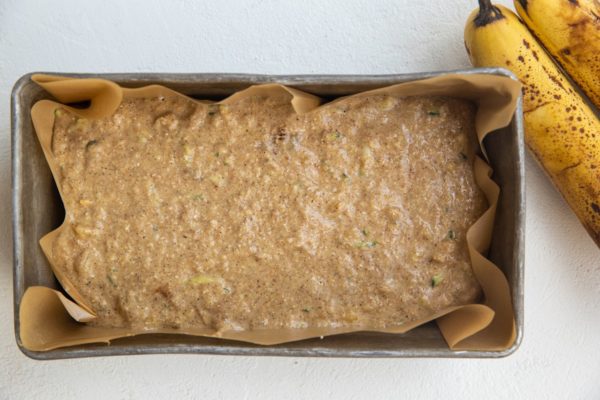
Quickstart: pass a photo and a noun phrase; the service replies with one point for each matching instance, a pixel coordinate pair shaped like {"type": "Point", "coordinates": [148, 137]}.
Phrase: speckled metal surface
{"type": "Point", "coordinates": [37, 209]}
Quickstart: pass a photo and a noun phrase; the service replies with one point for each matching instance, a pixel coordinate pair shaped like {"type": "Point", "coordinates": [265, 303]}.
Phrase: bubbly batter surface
{"type": "Point", "coordinates": [248, 216]}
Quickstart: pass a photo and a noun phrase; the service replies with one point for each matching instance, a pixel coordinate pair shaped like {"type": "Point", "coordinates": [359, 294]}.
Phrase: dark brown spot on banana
{"type": "Point", "coordinates": [555, 80]}
{"type": "Point", "coordinates": [596, 208]}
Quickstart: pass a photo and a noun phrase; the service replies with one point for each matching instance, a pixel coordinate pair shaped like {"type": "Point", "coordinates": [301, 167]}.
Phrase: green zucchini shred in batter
{"type": "Point", "coordinates": [334, 136]}
{"type": "Point", "coordinates": [90, 144]}
{"type": "Point", "coordinates": [436, 280]}
{"type": "Point", "coordinates": [366, 244]}
{"type": "Point", "coordinates": [110, 280]}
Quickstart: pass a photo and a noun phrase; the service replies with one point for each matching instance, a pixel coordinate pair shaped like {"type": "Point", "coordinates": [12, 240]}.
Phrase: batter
{"type": "Point", "coordinates": [249, 216]}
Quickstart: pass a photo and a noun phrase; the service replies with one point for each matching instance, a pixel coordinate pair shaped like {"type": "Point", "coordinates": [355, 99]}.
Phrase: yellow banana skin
{"type": "Point", "coordinates": [561, 130]}
{"type": "Point", "coordinates": [570, 31]}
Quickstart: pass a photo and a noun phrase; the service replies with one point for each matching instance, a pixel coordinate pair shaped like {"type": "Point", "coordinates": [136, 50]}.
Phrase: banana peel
{"type": "Point", "coordinates": [570, 31]}
{"type": "Point", "coordinates": [561, 130]}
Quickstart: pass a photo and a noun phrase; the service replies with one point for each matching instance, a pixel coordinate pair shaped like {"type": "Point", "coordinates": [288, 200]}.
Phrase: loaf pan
{"type": "Point", "coordinates": [37, 209]}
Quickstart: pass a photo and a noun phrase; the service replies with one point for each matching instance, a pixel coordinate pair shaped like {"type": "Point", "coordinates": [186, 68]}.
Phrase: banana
{"type": "Point", "coordinates": [570, 31]}
{"type": "Point", "coordinates": [561, 130]}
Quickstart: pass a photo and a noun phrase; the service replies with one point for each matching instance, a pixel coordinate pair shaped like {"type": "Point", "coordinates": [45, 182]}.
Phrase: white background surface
{"type": "Point", "coordinates": [560, 355]}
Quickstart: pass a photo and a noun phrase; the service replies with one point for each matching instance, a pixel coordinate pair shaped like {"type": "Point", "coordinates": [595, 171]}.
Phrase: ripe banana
{"type": "Point", "coordinates": [570, 31]}
{"type": "Point", "coordinates": [561, 130]}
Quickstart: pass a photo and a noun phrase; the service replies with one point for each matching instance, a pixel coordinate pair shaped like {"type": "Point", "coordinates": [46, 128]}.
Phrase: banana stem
{"type": "Point", "coordinates": [487, 13]}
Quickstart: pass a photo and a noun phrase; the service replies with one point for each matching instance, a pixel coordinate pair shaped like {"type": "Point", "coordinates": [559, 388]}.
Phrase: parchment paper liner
{"type": "Point", "coordinates": [49, 319]}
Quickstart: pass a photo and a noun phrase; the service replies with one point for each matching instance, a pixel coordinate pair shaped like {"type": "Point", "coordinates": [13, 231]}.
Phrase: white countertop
{"type": "Point", "coordinates": [560, 354]}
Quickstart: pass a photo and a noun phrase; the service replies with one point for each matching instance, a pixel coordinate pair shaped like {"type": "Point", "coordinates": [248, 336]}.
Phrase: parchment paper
{"type": "Point", "coordinates": [50, 320]}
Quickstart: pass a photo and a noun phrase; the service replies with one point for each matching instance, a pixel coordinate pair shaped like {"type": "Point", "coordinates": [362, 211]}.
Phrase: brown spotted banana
{"type": "Point", "coordinates": [570, 31]}
{"type": "Point", "coordinates": [561, 130]}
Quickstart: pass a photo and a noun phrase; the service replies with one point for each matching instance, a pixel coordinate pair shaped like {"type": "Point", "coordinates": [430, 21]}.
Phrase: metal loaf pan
{"type": "Point", "coordinates": [37, 209]}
